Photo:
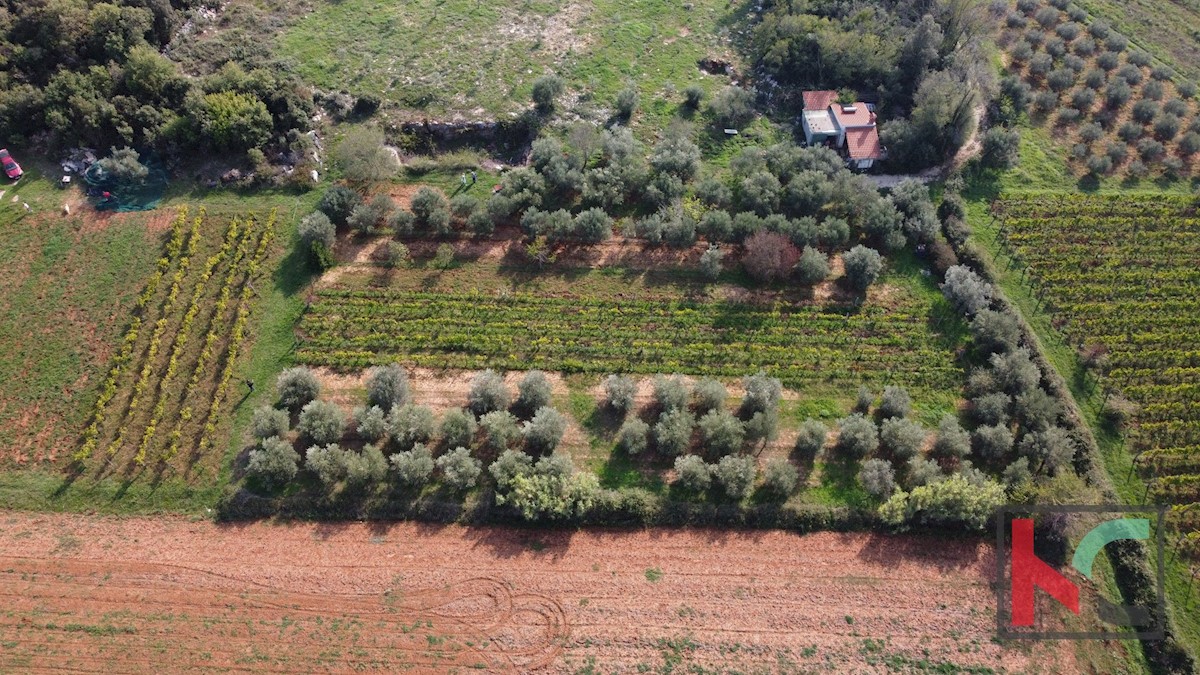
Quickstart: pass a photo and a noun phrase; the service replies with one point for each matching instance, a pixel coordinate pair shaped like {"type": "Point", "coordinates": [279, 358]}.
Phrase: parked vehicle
{"type": "Point", "coordinates": [11, 168]}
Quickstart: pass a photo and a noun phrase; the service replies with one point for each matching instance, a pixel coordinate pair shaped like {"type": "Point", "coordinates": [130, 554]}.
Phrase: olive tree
{"type": "Point", "coordinates": [317, 228]}
{"type": "Point", "coordinates": [721, 433]}
{"type": "Point", "coordinates": [459, 469]}
{"type": "Point", "coordinates": [411, 424]}
{"type": "Point", "coordinates": [710, 260]}
{"type": "Point", "coordinates": [878, 478]}
{"type": "Point", "coordinates": [670, 393]}
{"type": "Point", "coordinates": [811, 439]}
{"type": "Point", "coordinates": [952, 440]}
{"type": "Point", "coordinates": [619, 391]}
{"type": "Point", "coordinates": [966, 291]}
{"type": "Point", "coordinates": [457, 428]}
{"type": "Point", "coordinates": [387, 386]}
{"type": "Point", "coordinates": [857, 437]}
{"type": "Point", "coordinates": [500, 430]}
{"type": "Point", "coordinates": [322, 421]}
{"type": "Point", "coordinates": [632, 438]}
{"type": "Point", "coordinates": [780, 479]}
{"type": "Point", "coordinates": [533, 392]}
{"type": "Point", "coordinates": [372, 422]}
{"type": "Point", "coordinates": [992, 442]}
{"type": "Point", "coordinates": [895, 402]}
{"type": "Point", "coordinates": [545, 90]}
{"type": "Point", "coordinates": [862, 266]}
{"type": "Point", "coordinates": [488, 393]}
{"type": "Point", "coordinates": [691, 473]}
{"type": "Point", "coordinates": [901, 437]}
{"type": "Point", "coordinates": [413, 467]}
{"type": "Point", "coordinates": [735, 474]}
{"type": "Point", "coordinates": [812, 267]}
{"type": "Point", "coordinates": [545, 430]}
{"type": "Point", "coordinates": [273, 463]}
{"type": "Point", "coordinates": [709, 394]}
{"type": "Point", "coordinates": [673, 431]}
{"type": "Point", "coordinates": [268, 422]}
{"type": "Point", "coordinates": [296, 387]}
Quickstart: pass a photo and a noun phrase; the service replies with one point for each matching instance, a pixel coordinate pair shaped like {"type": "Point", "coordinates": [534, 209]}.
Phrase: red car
{"type": "Point", "coordinates": [11, 168]}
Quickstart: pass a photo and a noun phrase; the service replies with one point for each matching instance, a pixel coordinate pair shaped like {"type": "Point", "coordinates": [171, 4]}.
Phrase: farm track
{"type": "Point", "coordinates": [94, 594]}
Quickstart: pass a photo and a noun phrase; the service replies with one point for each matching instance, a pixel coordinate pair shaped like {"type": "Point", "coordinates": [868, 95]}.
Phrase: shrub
{"type": "Point", "coordinates": [992, 443]}
{"type": "Point", "coordinates": [901, 437]}
{"type": "Point", "coordinates": [691, 473]}
{"type": "Point", "coordinates": [316, 227]}
{"type": "Point", "coordinates": [862, 266]}
{"type": "Point", "coordinates": [363, 157]}
{"type": "Point", "coordinates": [735, 475]}
{"type": "Point", "coordinates": [953, 503]}
{"type": "Point", "coordinates": [457, 428]}
{"type": "Point", "coordinates": [780, 479]}
{"type": "Point", "coordinates": [413, 467]}
{"type": "Point", "coordinates": [670, 393]}
{"type": "Point", "coordinates": [273, 462]}
{"type": "Point", "coordinates": [296, 387]}
{"type": "Point", "coordinates": [533, 392]}
{"type": "Point", "coordinates": [459, 469]}
{"type": "Point", "coordinates": [632, 438]}
{"type": "Point", "coordinates": [732, 107]}
{"type": "Point", "coordinates": [692, 96]}
{"type": "Point", "coordinates": [952, 440]}
{"type": "Point", "coordinates": [545, 430]}
{"type": "Point", "coordinates": [857, 437]}
{"type": "Point", "coordinates": [619, 391]}
{"type": "Point", "coordinates": [322, 421]}
{"type": "Point", "coordinates": [411, 424]}
{"type": "Point", "coordinates": [709, 394]}
{"type": "Point", "coordinates": [545, 89]}
{"type": "Point", "coordinates": [372, 423]}
{"type": "Point", "coordinates": [500, 430]}
{"type": "Point", "coordinates": [627, 100]}
{"type": "Point", "coordinates": [710, 260]}
{"type": "Point", "coordinates": [811, 439]}
{"type": "Point", "coordinates": [1118, 412]}
{"type": "Point", "coordinates": [877, 478]}
{"type": "Point", "coordinates": [895, 402]}
{"type": "Point", "coordinates": [812, 268]}
{"type": "Point", "coordinates": [268, 422]}
{"type": "Point", "coordinates": [551, 490]}
{"type": "Point", "coordinates": [387, 386]}
{"type": "Point", "coordinates": [488, 393]}
{"type": "Point", "coordinates": [1166, 127]}
{"type": "Point", "coordinates": [966, 291]}
{"type": "Point", "coordinates": [769, 256]}
{"type": "Point", "coordinates": [991, 408]}
{"type": "Point", "coordinates": [995, 331]}
{"type": "Point", "coordinates": [673, 432]}
{"type": "Point", "coordinates": [338, 203]}
{"type": "Point", "coordinates": [721, 433]}
{"type": "Point", "coordinates": [397, 254]}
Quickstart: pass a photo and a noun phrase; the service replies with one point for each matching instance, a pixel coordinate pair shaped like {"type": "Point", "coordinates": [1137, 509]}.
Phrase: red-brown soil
{"type": "Point", "coordinates": [93, 594]}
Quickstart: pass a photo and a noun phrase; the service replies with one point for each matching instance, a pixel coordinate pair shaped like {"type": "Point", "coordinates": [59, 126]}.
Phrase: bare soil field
{"type": "Point", "coordinates": [90, 594]}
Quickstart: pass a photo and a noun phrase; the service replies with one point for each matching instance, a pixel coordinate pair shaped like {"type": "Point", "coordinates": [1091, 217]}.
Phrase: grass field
{"type": "Point", "coordinates": [479, 60]}
{"type": "Point", "coordinates": [1168, 29]}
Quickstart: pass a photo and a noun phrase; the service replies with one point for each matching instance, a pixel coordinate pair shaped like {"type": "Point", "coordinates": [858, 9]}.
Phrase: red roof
{"type": "Point", "coordinates": [863, 143]}
{"type": "Point", "coordinates": [819, 100]}
{"type": "Point", "coordinates": [853, 115]}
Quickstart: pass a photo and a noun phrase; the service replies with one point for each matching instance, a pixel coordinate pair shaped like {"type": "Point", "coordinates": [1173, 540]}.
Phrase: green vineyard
{"type": "Point", "coordinates": [1120, 277]}
{"type": "Point", "coordinates": [166, 386]}
{"type": "Point", "coordinates": [800, 344]}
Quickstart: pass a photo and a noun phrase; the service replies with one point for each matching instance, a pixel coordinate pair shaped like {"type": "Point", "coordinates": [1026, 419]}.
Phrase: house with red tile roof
{"type": "Point", "coordinates": [848, 128]}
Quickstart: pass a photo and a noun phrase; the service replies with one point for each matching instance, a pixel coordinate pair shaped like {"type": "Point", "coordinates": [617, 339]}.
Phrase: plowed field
{"type": "Point", "coordinates": [90, 594]}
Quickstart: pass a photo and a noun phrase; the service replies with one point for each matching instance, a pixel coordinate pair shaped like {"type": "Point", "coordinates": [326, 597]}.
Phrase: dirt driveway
{"type": "Point", "coordinates": [95, 594]}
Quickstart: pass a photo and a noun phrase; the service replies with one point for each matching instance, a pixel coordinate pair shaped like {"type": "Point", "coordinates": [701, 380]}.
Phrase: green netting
{"type": "Point", "coordinates": [108, 193]}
